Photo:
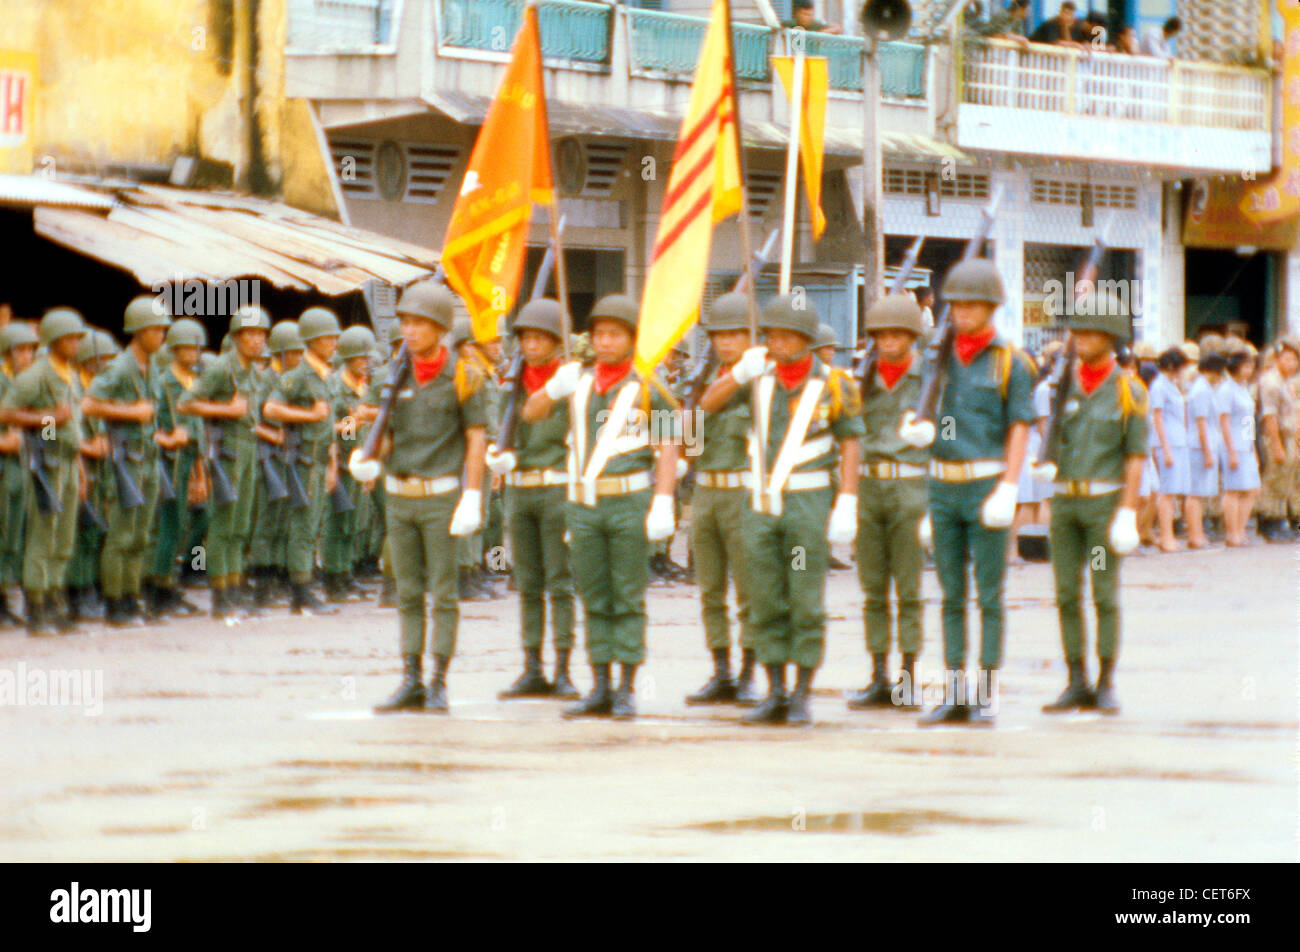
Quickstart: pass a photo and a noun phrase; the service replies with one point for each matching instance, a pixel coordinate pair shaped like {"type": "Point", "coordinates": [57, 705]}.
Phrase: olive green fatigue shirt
{"type": "Point", "coordinates": [224, 377]}
{"type": "Point", "coordinates": [598, 405]}
{"type": "Point", "coordinates": [1096, 437]}
{"type": "Point", "coordinates": [343, 398]}
{"type": "Point", "coordinates": [303, 387]}
{"type": "Point", "coordinates": [882, 411]}
{"type": "Point", "coordinates": [41, 387]}
{"type": "Point", "coordinates": [974, 416]}
{"type": "Point", "coordinates": [170, 393]}
{"type": "Point", "coordinates": [839, 412]}
{"type": "Point", "coordinates": [429, 422]}
{"type": "Point", "coordinates": [542, 445]}
{"type": "Point", "coordinates": [122, 381]}
{"type": "Point", "coordinates": [724, 434]}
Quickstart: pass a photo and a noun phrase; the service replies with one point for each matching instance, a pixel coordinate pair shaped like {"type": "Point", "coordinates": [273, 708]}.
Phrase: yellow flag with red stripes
{"type": "Point", "coordinates": [812, 127]}
{"type": "Point", "coordinates": [704, 187]}
{"type": "Point", "coordinates": [509, 170]}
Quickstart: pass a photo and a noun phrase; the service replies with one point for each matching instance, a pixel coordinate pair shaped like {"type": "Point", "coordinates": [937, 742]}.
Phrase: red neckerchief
{"type": "Point", "coordinates": [534, 378]}
{"type": "Point", "coordinates": [968, 346]}
{"type": "Point", "coordinates": [891, 372]}
{"type": "Point", "coordinates": [791, 375]}
{"type": "Point", "coordinates": [1091, 376]}
{"type": "Point", "coordinates": [426, 370]}
{"type": "Point", "coordinates": [609, 374]}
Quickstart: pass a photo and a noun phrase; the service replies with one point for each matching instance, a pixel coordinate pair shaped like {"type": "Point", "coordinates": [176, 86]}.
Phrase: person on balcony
{"type": "Point", "coordinates": [1126, 41]}
{"type": "Point", "coordinates": [805, 18]}
{"type": "Point", "coordinates": [1008, 24]}
{"type": "Point", "coordinates": [1062, 30]}
{"type": "Point", "coordinates": [1159, 42]}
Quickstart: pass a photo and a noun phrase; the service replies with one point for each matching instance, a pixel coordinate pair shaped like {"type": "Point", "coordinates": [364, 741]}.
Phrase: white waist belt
{"type": "Point", "coordinates": [888, 470]}
{"type": "Point", "coordinates": [1085, 487]}
{"type": "Point", "coordinates": [717, 479]}
{"type": "Point", "coordinates": [415, 488]}
{"type": "Point", "coordinates": [966, 471]}
{"type": "Point", "coordinates": [817, 479]}
{"type": "Point", "coordinates": [531, 478]}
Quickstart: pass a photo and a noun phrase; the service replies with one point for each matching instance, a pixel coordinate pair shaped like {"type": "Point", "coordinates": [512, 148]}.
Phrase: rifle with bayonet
{"type": "Point", "coordinates": [293, 455]}
{"type": "Point", "coordinates": [697, 381]}
{"type": "Point", "coordinates": [1063, 366]}
{"type": "Point", "coordinates": [940, 345]}
{"type": "Point", "coordinates": [128, 493]}
{"type": "Point", "coordinates": [514, 373]}
{"type": "Point", "coordinates": [866, 369]}
{"type": "Point", "coordinates": [46, 499]}
{"type": "Point", "coordinates": [268, 439]}
{"type": "Point", "coordinates": [223, 492]}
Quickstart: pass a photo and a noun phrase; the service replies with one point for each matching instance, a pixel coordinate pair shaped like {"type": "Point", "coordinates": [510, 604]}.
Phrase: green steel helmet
{"type": "Point", "coordinates": [974, 280]}
{"type": "Point", "coordinates": [616, 307]}
{"type": "Point", "coordinates": [60, 322]}
{"type": "Point", "coordinates": [356, 341]}
{"type": "Point", "coordinates": [895, 312]}
{"type": "Point", "coordinates": [395, 333]}
{"type": "Point", "coordinates": [146, 311]}
{"type": "Point", "coordinates": [250, 315]}
{"type": "Point", "coordinates": [227, 343]}
{"type": "Point", "coordinates": [781, 313]}
{"type": "Point", "coordinates": [186, 332]}
{"type": "Point", "coordinates": [16, 334]}
{"type": "Point", "coordinates": [318, 322]}
{"type": "Point", "coordinates": [430, 300]}
{"type": "Point", "coordinates": [825, 337]}
{"type": "Point", "coordinates": [97, 343]}
{"type": "Point", "coordinates": [461, 331]}
{"type": "Point", "coordinates": [1103, 312]}
{"type": "Point", "coordinates": [284, 336]}
{"type": "Point", "coordinates": [542, 315]}
{"type": "Point", "coordinates": [728, 313]}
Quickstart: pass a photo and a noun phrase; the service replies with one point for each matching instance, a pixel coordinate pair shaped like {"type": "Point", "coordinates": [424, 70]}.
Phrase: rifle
{"type": "Point", "coordinates": [46, 499]}
{"type": "Point", "coordinates": [1063, 366]}
{"type": "Point", "coordinates": [866, 369]}
{"type": "Point", "coordinates": [510, 415]}
{"type": "Point", "coordinates": [340, 501]}
{"type": "Point", "coordinates": [128, 493]}
{"type": "Point", "coordinates": [696, 381]}
{"type": "Point", "coordinates": [298, 498]}
{"type": "Point", "coordinates": [940, 345]}
{"type": "Point", "coordinates": [275, 488]}
{"type": "Point", "coordinates": [89, 515]}
{"type": "Point", "coordinates": [223, 492]}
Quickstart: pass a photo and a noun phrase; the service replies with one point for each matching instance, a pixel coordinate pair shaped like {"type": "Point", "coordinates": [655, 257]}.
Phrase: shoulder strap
{"type": "Point", "coordinates": [468, 380]}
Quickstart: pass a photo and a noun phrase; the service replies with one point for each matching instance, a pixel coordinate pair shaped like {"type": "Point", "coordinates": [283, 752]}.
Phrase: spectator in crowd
{"type": "Point", "coordinates": [1008, 24]}
{"type": "Point", "coordinates": [1158, 41]}
{"type": "Point", "coordinates": [805, 18]}
{"type": "Point", "coordinates": [1062, 30]}
{"type": "Point", "coordinates": [1126, 41]}
{"type": "Point", "coordinates": [925, 299]}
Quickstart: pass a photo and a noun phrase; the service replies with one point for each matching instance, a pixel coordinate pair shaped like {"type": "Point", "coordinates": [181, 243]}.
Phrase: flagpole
{"type": "Point", "coordinates": [792, 168]}
{"type": "Point", "coordinates": [746, 252]}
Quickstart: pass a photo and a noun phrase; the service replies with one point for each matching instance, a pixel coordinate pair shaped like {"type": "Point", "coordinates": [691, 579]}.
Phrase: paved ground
{"type": "Point", "coordinates": [255, 742]}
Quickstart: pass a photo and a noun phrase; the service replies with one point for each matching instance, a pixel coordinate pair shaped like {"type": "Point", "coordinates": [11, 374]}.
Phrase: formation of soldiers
{"type": "Point", "coordinates": [121, 463]}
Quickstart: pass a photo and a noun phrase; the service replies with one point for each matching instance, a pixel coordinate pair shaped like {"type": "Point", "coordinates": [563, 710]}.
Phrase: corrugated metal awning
{"type": "Point", "coordinates": [163, 235]}
{"type": "Point", "coordinates": [33, 190]}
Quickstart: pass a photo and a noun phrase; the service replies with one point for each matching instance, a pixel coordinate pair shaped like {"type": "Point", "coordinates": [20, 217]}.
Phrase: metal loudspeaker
{"type": "Point", "coordinates": [891, 17]}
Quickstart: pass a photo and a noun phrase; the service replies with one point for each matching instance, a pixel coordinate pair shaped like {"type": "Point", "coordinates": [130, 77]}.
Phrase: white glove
{"type": "Point", "coordinates": [914, 432]}
{"type": "Point", "coordinates": [751, 364]}
{"type": "Point", "coordinates": [1043, 472]}
{"type": "Point", "coordinates": [1123, 535]}
{"type": "Point", "coordinates": [659, 522]}
{"type": "Point", "coordinates": [363, 470]}
{"type": "Point", "coordinates": [682, 468]}
{"type": "Point", "coordinates": [500, 463]}
{"type": "Point", "coordinates": [999, 510]}
{"type": "Point", "coordinates": [469, 513]}
{"type": "Point", "coordinates": [925, 532]}
{"type": "Point", "coordinates": [844, 519]}
{"type": "Point", "coordinates": [564, 381]}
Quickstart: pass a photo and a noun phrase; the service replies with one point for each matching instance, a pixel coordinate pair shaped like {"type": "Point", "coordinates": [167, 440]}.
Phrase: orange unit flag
{"type": "Point", "coordinates": [812, 128]}
{"type": "Point", "coordinates": [509, 170]}
{"type": "Point", "coordinates": [703, 188]}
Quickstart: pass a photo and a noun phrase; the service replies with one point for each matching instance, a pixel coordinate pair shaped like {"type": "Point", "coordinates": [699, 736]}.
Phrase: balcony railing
{"type": "Point", "coordinates": [1115, 86]}
{"type": "Point", "coordinates": [335, 25]}
{"type": "Point", "coordinates": [571, 29]}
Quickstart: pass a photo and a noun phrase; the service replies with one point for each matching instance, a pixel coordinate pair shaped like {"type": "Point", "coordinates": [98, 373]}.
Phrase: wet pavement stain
{"type": "Point", "coordinates": [1143, 773]}
{"type": "Point", "coordinates": [893, 823]}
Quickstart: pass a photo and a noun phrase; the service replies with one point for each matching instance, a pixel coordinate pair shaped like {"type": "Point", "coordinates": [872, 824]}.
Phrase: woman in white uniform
{"type": "Point", "coordinates": [1169, 443]}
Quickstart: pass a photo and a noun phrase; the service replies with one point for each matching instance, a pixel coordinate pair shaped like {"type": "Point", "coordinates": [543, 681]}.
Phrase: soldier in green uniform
{"type": "Point", "coordinates": [18, 343]}
{"type": "Point", "coordinates": [436, 439]}
{"type": "Point", "coordinates": [339, 546]}
{"type": "Point", "coordinates": [1102, 449]}
{"type": "Point", "coordinates": [620, 497]}
{"type": "Point", "coordinates": [123, 396]}
{"type": "Point", "coordinates": [983, 426]}
{"type": "Point", "coordinates": [808, 421]}
{"type": "Point", "coordinates": [717, 513]}
{"type": "Point", "coordinates": [535, 480]}
{"type": "Point", "coordinates": [301, 399]}
{"type": "Point", "coordinates": [46, 398]}
{"type": "Point", "coordinates": [184, 343]}
{"type": "Point", "coordinates": [891, 503]}
{"type": "Point", "coordinates": [225, 395]}
{"type": "Point", "coordinates": [473, 582]}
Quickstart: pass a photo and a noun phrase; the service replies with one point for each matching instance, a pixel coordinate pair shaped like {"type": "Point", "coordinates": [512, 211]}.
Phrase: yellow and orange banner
{"type": "Point", "coordinates": [812, 126]}
{"type": "Point", "coordinates": [509, 170]}
{"type": "Point", "coordinates": [1279, 198]}
{"type": "Point", "coordinates": [704, 187]}
{"type": "Point", "coordinates": [18, 76]}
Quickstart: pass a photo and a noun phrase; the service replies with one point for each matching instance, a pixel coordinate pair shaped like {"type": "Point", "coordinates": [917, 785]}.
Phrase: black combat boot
{"type": "Point", "coordinates": [1077, 693]}
{"type": "Point", "coordinates": [6, 616]}
{"type": "Point", "coordinates": [435, 697]}
{"type": "Point", "coordinates": [775, 706]}
{"type": "Point", "coordinates": [135, 616]}
{"type": "Point", "coordinates": [221, 606]}
{"type": "Point", "coordinates": [984, 703]}
{"type": "Point", "coordinates": [719, 689]}
{"type": "Point", "coordinates": [263, 582]}
{"type": "Point", "coordinates": [388, 593]}
{"type": "Point", "coordinates": [909, 692]}
{"type": "Point", "coordinates": [746, 696]}
{"type": "Point", "coordinates": [466, 591]}
{"type": "Point", "coordinates": [305, 600]}
{"type": "Point", "coordinates": [116, 615]}
{"type": "Point", "coordinates": [155, 600]}
{"type": "Point", "coordinates": [1106, 699]}
{"type": "Point", "coordinates": [335, 590]}
{"type": "Point", "coordinates": [532, 683]}
{"type": "Point", "coordinates": [878, 692]}
{"type": "Point", "coordinates": [38, 624]}
{"type": "Point", "coordinates": [799, 712]}
{"type": "Point", "coordinates": [410, 693]}
{"type": "Point", "coordinates": [624, 708]}
{"type": "Point", "coordinates": [564, 688]}
{"type": "Point", "coordinates": [600, 702]}
{"type": "Point", "coordinates": [954, 709]}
